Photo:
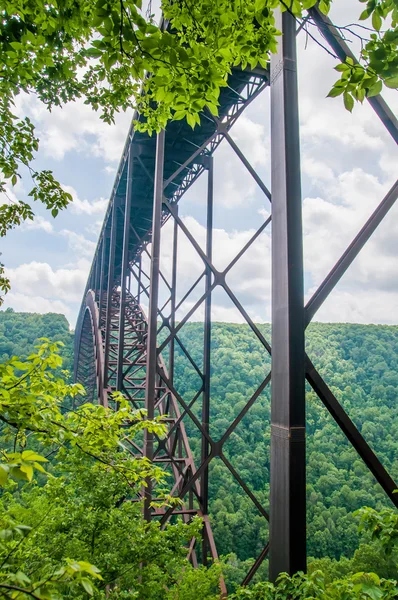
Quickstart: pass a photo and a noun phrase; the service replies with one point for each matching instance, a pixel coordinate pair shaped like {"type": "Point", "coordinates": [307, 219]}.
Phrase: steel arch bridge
{"type": "Point", "coordinates": [122, 329]}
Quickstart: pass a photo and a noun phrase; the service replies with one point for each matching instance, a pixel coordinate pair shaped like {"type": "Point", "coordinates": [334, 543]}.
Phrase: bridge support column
{"type": "Point", "coordinates": [98, 267]}
{"type": "Point", "coordinates": [206, 351]}
{"type": "Point", "coordinates": [111, 269]}
{"type": "Point", "coordinates": [105, 248]}
{"type": "Point", "coordinates": [124, 273]}
{"type": "Point", "coordinates": [151, 358]}
{"type": "Point", "coordinates": [287, 501]}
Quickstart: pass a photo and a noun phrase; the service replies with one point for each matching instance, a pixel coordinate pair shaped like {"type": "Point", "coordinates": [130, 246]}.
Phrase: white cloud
{"type": "Point", "coordinates": [368, 292]}
{"type": "Point", "coordinates": [264, 213]}
{"type": "Point", "coordinates": [37, 279]}
{"type": "Point", "coordinates": [94, 228]}
{"type": "Point", "coordinates": [317, 170]}
{"type": "Point", "coordinates": [251, 138]}
{"type": "Point", "coordinates": [367, 306]}
{"type": "Point", "coordinates": [87, 207]}
{"type": "Point", "coordinates": [38, 223]}
{"type": "Point", "coordinates": [38, 304]}
{"type": "Point", "coordinates": [219, 312]}
{"type": "Point", "coordinates": [233, 184]}
{"type": "Point", "coordinates": [75, 127]}
{"type": "Point", "coordinates": [79, 244]}
{"type": "Point", "coordinates": [332, 221]}
{"type": "Point", "coordinates": [326, 127]}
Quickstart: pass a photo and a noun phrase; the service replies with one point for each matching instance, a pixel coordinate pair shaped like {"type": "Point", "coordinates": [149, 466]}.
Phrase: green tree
{"type": "Point", "coordinates": [71, 521]}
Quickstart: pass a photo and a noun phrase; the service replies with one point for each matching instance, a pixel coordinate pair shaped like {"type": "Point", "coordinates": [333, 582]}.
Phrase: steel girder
{"type": "Point", "coordinates": [118, 347]}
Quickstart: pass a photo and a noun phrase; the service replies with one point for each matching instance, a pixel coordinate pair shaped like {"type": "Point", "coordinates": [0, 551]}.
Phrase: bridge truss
{"type": "Point", "coordinates": [119, 342]}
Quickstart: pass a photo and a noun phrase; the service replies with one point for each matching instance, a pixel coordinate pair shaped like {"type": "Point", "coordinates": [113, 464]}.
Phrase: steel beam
{"type": "Point", "coordinates": [105, 249]}
{"type": "Point", "coordinates": [152, 352]}
{"type": "Point", "coordinates": [248, 166]}
{"type": "Point", "coordinates": [111, 270]}
{"type": "Point", "coordinates": [350, 254]}
{"type": "Point", "coordinates": [98, 268]}
{"type": "Point", "coordinates": [287, 474]}
{"type": "Point", "coordinates": [351, 432]}
{"type": "Point", "coordinates": [173, 293]}
{"type": "Point", "coordinates": [124, 272]}
{"type": "Point", "coordinates": [204, 482]}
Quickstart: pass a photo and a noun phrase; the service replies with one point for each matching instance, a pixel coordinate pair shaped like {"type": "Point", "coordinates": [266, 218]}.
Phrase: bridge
{"type": "Point", "coordinates": [126, 338]}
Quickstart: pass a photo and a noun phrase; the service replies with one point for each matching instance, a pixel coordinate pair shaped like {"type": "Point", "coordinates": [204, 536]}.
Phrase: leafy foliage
{"type": "Point", "coordinates": [4, 283]}
{"type": "Point", "coordinates": [86, 508]}
{"type": "Point", "coordinates": [114, 57]}
{"type": "Point", "coordinates": [379, 56]}
{"type": "Point", "coordinates": [360, 586]}
{"type": "Point", "coordinates": [383, 526]}
{"type": "Point", "coordinates": [20, 333]}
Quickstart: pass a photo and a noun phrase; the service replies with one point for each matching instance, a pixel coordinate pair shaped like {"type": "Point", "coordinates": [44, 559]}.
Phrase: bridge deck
{"type": "Point", "coordinates": [184, 146]}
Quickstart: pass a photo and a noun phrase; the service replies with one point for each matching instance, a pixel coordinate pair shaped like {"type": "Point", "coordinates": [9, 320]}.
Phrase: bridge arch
{"type": "Point", "coordinates": [89, 364]}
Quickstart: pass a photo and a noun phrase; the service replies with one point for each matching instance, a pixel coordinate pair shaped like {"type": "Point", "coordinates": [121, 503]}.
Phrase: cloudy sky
{"type": "Point", "coordinates": [348, 164]}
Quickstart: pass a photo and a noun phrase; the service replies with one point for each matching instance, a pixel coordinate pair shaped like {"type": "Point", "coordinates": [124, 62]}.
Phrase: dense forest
{"type": "Point", "coordinates": [20, 333]}
{"type": "Point", "coordinates": [359, 362]}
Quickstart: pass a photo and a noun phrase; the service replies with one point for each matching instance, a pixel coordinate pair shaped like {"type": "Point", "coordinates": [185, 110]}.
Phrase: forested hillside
{"type": "Point", "coordinates": [359, 362]}
{"type": "Point", "coordinates": [20, 332]}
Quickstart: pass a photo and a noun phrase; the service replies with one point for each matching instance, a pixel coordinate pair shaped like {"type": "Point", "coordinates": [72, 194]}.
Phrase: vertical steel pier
{"type": "Point", "coordinates": [287, 476]}
{"type": "Point", "coordinates": [206, 348]}
{"type": "Point", "coordinates": [151, 354]}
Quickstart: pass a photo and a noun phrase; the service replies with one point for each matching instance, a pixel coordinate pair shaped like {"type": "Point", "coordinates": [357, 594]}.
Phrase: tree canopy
{"type": "Point", "coordinates": [70, 524]}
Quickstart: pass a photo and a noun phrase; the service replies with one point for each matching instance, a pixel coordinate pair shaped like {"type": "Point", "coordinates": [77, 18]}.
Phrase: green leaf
{"type": "Point", "coordinates": [93, 52]}
{"type": "Point", "coordinates": [87, 586]}
{"type": "Point", "coordinates": [376, 21]}
{"type": "Point", "coordinates": [22, 578]}
{"type": "Point", "coordinates": [30, 36]}
{"type": "Point", "coordinates": [324, 7]}
{"type": "Point", "coordinates": [191, 120]}
{"type": "Point", "coordinates": [375, 89]}
{"type": "Point", "coordinates": [6, 534]}
{"type": "Point", "coordinates": [335, 91]}
{"type": "Point", "coordinates": [392, 82]}
{"type": "Point", "coordinates": [373, 591]}
{"type": "Point", "coordinates": [3, 474]}
{"type": "Point", "coordinates": [348, 101]}
{"type": "Point", "coordinates": [213, 109]}
{"type": "Point", "coordinates": [28, 469]}
{"type": "Point", "coordinates": [23, 529]}
{"type": "Point", "coordinates": [31, 455]}
{"type": "Point", "coordinates": [18, 474]}
{"type": "Point", "coordinates": [180, 114]}
{"type": "Point", "coordinates": [341, 67]}
{"type": "Point", "coordinates": [39, 467]}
